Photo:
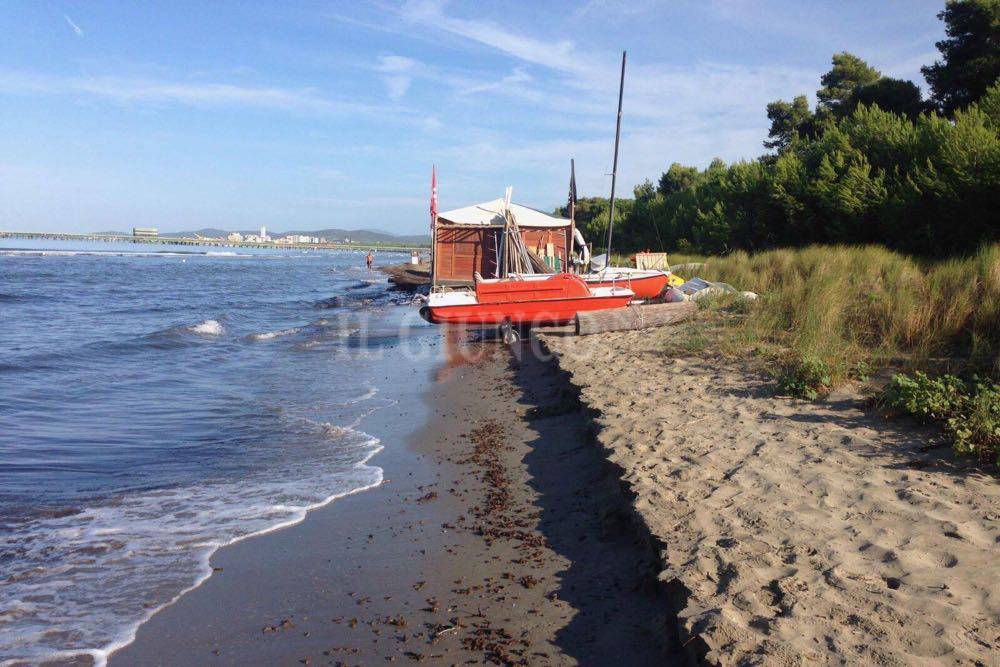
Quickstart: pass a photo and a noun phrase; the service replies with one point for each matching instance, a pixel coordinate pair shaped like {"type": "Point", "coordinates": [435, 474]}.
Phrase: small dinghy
{"type": "Point", "coordinates": [645, 283]}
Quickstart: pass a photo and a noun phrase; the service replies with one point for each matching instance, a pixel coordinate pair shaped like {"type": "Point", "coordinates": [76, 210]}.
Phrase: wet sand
{"type": "Point", "coordinates": [501, 536]}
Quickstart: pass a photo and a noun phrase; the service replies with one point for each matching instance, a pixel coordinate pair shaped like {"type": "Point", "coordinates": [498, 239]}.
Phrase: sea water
{"type": "Point", "coordinates": [158, 402]}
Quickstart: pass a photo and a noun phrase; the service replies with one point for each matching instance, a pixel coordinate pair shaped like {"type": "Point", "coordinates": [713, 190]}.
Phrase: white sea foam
{"type": "Point", "coordinates": [207, 328]}
{"type": "Point", "coordinates": [271, 335]}
{"type": "Point", "coordinates": [89, 580]}
{"type": "Point", "coordinates": [371, 393]}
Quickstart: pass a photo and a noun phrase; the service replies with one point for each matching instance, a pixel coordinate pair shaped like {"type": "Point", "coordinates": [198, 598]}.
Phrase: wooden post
{"type": "Point", "coordinates": [434, 254]}
{"type": "Point", "coordinates": [633, 318]}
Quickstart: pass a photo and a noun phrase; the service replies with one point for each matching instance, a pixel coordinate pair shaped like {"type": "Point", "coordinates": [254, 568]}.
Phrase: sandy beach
{"type": "Point", "coordinates": [549, 511]}
{"type": "Point", "coordinates": [499, 537]}
{"type": "Point", "coordinates": [794, 532]}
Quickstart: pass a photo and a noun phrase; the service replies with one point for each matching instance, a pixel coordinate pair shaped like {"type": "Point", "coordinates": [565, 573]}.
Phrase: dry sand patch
{"type": "Point", "coordinates": [802, 531]}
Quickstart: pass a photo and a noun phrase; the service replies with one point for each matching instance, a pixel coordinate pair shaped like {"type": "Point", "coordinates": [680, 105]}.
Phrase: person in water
{"type": "Point", "coordinates": [369, 259]}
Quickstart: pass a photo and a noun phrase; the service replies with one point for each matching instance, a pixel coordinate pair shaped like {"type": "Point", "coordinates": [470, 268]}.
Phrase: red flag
{"type": "Point", "coordinates": [434, 196]}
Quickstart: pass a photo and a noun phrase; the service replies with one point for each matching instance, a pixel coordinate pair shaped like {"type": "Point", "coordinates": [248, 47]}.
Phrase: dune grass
{"type": "Point", "coordinates": [867, 307]}
{"type": "Point", "coordinates": [828, 314]}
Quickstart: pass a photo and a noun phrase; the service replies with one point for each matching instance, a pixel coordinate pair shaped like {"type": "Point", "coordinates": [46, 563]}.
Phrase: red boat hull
{"type": "Point", "coordinates": [647, 287]}
{"type": "Point", "coordinates": [560, 311]}
{"type": "Point", "coordinates": [555, 300]}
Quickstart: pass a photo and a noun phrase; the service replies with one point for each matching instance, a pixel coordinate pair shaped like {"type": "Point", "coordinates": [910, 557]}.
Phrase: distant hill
{"type": "Point", "coordinates": [356, 235]}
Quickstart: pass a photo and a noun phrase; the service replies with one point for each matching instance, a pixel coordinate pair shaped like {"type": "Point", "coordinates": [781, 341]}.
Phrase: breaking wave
{"type": "Point", "coordinates": [151, 428]}
{"type": "Point", "coordinates": [271, 335]}
{"type": "Point", "coordinates": [92, 577]}
{"type": "Point", "coordinates": [207, 328]}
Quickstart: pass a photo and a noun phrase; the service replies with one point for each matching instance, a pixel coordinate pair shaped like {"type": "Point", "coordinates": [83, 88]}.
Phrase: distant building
{"type": "Point", "coordinates": [263, 234]}
{"type": "Point", "coordinates": [302, 238]}
{"type": "Point", "coordinates": [235, 237]}
{"type": "Point", "coordinates": [145, 232]}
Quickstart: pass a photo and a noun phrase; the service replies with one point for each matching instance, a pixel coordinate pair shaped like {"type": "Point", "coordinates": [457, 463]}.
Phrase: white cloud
{"type": "Point", "coordinates": [587, 82]}
{"type": "Point", "coordinates": [397, 85]}
{"type": "Point", "coordinates": [509, 84]}
{"type": "Point", "coordinates": [557, 54]}
{"type": "Point", "coordinates": [689, 113]}
{"type": "Point", "coordinates": [397, 71]}
{"type": "Point", "coordinates": [75, 27]}
{"type": "Point", "coordinates": [197, 94]}
{"type": "Point", "coordinates": [613, 10]}
{"type": "Point", "coordinates": [396, 64]}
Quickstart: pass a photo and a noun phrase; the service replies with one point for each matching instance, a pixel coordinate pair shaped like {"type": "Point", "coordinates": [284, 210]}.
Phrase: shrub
{"type": "Point", "coordinates": [924, 398]}
{"type": "Point", "coordinates": [806, 377]}
{"type": "Point", "coordinates": [977, 431]}
{"type": "Point", "coordinates": [970, 413]}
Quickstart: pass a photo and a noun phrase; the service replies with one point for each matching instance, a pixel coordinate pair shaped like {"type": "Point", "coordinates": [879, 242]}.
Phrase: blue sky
{"type": "Point", "coordinates": [305, 115]}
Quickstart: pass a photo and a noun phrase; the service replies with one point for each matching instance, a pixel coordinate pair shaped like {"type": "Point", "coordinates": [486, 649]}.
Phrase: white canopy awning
{"type": "Point", "coordinates": [491, 214]}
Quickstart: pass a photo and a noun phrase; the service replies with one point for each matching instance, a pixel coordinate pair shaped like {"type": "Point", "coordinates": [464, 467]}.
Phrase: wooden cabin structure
{"type": "Point", "coordinates": [466, 240]}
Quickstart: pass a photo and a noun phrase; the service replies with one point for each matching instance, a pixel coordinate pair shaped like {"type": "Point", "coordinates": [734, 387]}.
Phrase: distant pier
{"type": "Point", "coordinates": [225, 243]}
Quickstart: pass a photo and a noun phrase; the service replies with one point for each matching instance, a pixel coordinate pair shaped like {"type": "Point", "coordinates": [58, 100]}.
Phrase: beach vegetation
{"type": "Point", "coordinates": [861, 309]}
{"type": "Point", "coordinates": [968, 411]}
{"type": "Point", "coordinates": [925, 398]}
{"type": "Point", "coordinates": [804, 377]}
{"type": "Point", "coordinates": [830, 315]}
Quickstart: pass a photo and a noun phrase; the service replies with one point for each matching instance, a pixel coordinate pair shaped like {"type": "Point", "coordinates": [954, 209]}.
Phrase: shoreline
{"type": "Point", "coordinates": [417, 570]}
{"type": "Point", "coordinates": [188, 425]}
{"type": "Point", "coordinates": [101, 656]}
{"type": "Point", "coordinates": [539, 511]}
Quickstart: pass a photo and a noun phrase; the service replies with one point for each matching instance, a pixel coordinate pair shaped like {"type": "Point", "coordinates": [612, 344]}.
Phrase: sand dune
{"type": "Point", "coordinates": [803, 532]}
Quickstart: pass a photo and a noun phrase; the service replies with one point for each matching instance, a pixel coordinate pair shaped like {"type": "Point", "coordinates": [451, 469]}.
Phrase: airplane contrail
{"type": "Point", "coordinates": [75, 27]}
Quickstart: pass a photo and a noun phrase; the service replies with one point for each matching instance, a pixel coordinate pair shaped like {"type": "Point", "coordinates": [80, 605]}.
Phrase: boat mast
{"type": "Point", "coordinates": [614, 168]}
{"type": "Point", "coordinates": [568, 267]}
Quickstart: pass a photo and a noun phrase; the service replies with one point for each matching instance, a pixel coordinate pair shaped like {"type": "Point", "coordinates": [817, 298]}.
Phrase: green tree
{"type": "Point", "coordinates": [895, 95]}
{"type": "Point", "coordinates": [591, 216]}
{"type": "Point", "coordinates": [970, 55]}
{"type": "Point", "coordinates": [788, 120]}
{"type": "Point", "coordinates": [717, 165]}
{"type": "Point", "coordinates": [677, 178]}
{"type": "Point", "coordinates": [989, 104]}
{"type": "Point", "coordinates": [644, 191]}
{"type": "Point", "coordinates": [847, 74]}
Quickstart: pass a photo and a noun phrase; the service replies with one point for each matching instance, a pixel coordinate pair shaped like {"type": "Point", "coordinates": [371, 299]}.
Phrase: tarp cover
{"type": "Point", "coordinates": [491, 213]}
